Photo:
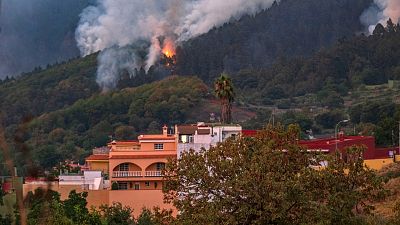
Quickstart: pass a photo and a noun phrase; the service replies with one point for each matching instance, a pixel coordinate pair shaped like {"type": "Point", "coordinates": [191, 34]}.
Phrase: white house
{"type": "Point", "coordinates": [202, 135]}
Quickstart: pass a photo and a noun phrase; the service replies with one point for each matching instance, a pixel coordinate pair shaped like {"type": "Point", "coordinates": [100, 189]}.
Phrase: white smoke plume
{"type": "Point", "coordinates": [206, 14]}
{"type": "Point", "coordinates": [111, 26]}
{"type": "Point", "coordinates": [380, 12]}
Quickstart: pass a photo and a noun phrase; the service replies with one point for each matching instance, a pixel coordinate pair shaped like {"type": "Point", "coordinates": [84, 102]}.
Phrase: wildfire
{"type": "Point", "coordinates": [169, 48]}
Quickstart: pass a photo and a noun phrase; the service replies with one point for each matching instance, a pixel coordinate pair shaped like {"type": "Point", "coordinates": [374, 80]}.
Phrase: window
{"type": "Point", "coordinates": [122, 185]}
{"type": "Point", "coordinates": [147, 183]}
{"type": "Point", "coordinates": [137, 186]}
{"type": "Point", "coordinates": [155, 185]}
{"type": "Point", "coordinates": [158, 146]}
{"type": "Point", "coordinates": [124, 167]}
{"type": "Point", "coordinates": [160, 166]}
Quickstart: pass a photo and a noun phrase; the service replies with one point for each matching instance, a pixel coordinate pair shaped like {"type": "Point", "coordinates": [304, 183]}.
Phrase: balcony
{"type": "Point", "coordinates": [153, 174]}
{"type": "Point", "coordinates": [119, 174]}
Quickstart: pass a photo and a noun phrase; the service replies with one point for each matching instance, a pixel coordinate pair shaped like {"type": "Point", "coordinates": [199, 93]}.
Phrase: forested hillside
{"type": "Point", "coordinates": [72, 132]}
{"type": "Point", "coordinates": [348, 80]}
{"type": "Point", "coordinates": [295, 56]}
{"type": "Point", "coordinates": [290, 28]}
{"type": "Point", "coordinates": [347, 65]}
{"type": "Point", "coordinates": [47, 90]}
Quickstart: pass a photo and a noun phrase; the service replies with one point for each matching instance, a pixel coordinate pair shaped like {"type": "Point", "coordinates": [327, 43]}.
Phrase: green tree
{"type": "Point", "coordinates": [117, 214]}
{"type": "Point", "coordinates": [45, 207]}
{"type": "Point", "coordinates": [6, 220]}
{"type": "Point", "coordinates": [346, 187]}
{"type": "Point", "coordinates": [329, 119]}
{"type": "Point", "coordinates": [268, 180]}
{"type": "Point", "coordinates": [75, 207]}
{"type": "Point", "coordinates": [223, 88]}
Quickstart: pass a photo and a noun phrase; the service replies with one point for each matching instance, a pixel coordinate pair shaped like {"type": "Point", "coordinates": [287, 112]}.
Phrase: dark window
{"type": "Point", "coordinates": [158, 146]}
{"type": "Point", "coordinates": [124, 167]}
{"type": "Point", "coordinates": [137, 186]}
{"type": "Point", "coordinates": [122, 185]}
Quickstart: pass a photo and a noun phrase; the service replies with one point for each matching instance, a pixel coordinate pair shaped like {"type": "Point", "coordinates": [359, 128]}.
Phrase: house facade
{"type": "Point", "coordinates": [202, 135]}
{"type": "Point", "coordinates": [138, 165]}
{"type": "Point", "coordinates": [136, 170]}
{"type": "Point", "coordinates": [98, 161]}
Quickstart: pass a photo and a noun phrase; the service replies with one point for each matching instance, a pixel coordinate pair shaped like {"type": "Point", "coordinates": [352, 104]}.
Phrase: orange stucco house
{"type": "Point", "coordinates": [135, 170]}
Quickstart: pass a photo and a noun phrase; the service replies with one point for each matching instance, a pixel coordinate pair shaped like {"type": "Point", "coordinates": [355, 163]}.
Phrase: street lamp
{"type": "Point", "coordinates": [336, 130]}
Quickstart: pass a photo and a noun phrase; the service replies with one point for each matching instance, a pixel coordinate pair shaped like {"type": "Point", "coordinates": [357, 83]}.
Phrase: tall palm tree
{"type": "Point", "coordinates": [223, 88]}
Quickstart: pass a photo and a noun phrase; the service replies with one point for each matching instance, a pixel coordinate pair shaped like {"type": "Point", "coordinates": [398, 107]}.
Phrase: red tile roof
{"type": "Point", "coordinates": [97, 157]}
{"type": "Point", "coordinates": [249, 133]}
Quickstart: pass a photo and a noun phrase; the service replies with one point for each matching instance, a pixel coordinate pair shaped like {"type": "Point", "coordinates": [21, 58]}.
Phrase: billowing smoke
{"type": "Point", "coordinates": [36, 33]}
{"type": "Point", "coordinates": [114, 27]}
{"type": "Point", "coordinates": [380, 12]}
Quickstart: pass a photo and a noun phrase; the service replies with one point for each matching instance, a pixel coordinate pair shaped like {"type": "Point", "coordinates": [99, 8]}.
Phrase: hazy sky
{"type": "Point", "coordinates": [37, 32]}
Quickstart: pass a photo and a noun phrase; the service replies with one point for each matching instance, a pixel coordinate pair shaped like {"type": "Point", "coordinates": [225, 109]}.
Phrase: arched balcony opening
{"type": "Point", "coordinates": [155, 170]}
{"type": "Point", "coordinates": [124, 170]}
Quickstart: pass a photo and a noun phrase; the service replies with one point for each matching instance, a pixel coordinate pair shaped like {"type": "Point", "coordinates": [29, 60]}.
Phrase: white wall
{"type": "Point", "coordinates": [217, 134]}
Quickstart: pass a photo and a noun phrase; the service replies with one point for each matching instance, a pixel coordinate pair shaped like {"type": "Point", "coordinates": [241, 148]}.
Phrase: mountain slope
{"type": "Point", "coordinates": [47, 90]}
{"type": "Point", "coordinates": [290, 28]}
{"type": "Point", "coordinates": [72, 132]}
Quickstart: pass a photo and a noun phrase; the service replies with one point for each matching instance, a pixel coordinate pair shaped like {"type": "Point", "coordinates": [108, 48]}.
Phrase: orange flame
{"type": "Point", "coordinates": [169, 48]}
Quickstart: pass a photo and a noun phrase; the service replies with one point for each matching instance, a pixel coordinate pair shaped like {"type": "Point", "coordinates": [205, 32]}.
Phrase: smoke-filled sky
{"type": "Point", "coordinates": [113, 26]}
{"type": "Point", "coordinates": [37, 32]}
{"type": "Point", "coordinates": [380, 12]}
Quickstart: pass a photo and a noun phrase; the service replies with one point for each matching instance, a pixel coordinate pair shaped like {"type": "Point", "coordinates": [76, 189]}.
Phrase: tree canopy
{"type": "Point", "coordinates": [270, 179]}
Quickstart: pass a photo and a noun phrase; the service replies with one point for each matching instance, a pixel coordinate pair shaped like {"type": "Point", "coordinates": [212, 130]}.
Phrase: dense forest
{"type": "Point", "coordinates": [71, 133]}
{"type": "Point", "coordinates": [350, 63]}
{"type": "Point", "coordinates": [290, 28]}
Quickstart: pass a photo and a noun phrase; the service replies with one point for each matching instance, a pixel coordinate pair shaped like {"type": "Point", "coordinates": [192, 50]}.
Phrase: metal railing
{"type": "Point", "coordinates": [153, 174]}
{"type": "Point", "coordinates": [127, 173]}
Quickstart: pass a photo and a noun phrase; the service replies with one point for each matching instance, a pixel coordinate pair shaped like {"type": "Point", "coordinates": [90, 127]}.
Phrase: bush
{"type": "Point", "coordinates": [114, 186]}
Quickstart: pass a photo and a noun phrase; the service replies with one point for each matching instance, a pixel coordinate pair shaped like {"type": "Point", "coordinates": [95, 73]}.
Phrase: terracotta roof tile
{"type": "Point", "coordinates": [187, 129]}
{"type": "Point", "coordinates": [97, 157]}
{"type": "Point", "coordinates": [203, 131]}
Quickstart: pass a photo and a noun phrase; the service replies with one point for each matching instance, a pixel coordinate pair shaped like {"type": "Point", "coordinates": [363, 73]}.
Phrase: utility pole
{"type": "Point", "coordinates": [336, 132]}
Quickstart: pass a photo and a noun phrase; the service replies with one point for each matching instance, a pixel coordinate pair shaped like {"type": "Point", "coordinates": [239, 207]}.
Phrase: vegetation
{"type": "Point", "coordinates": [224, 91]}
{"type": "Point", "coordinates": [268, 180]}
{"type": "Point", "coordinates": [72, 132]}
{"type": "Point", "coordinates": [45, 207]}
{"type": "Point", "coordinates": [61, 114]}
{"type": "Point", "coordinates": [330, 73]}
{"type": "Point", "coordinates": [290, 28]}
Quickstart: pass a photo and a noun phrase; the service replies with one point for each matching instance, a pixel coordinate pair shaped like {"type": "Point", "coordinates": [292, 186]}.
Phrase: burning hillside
{"type": "Point", "coordinates": [169, 48]}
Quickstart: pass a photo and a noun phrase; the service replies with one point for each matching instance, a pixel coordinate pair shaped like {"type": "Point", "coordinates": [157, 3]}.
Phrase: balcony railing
{"type": "Point", "coordinates": [153, 174]}
{"type": "Point", "coordinates": [127, 173]}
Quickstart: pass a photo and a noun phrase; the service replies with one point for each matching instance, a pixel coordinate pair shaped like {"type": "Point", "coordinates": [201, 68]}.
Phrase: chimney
{"type": "Point", "coordinates": [165, 130]}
